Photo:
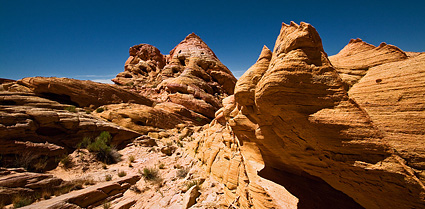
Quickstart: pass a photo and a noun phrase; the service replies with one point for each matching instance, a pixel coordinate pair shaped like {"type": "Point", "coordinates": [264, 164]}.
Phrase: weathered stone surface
{"type": "Point", "coordinates": [190, 196]}
{"type": "Point", "coordinates": [42, 127]}
{"type": "Point", "coordinates": [144, 119]}
{"type": "Point", "coordinates": [91, 196]}
{"type": "Point", "coordinates": [81, 93]}
{"type": "Point", "coordinates": [354, 60]}
{"type": "Point", "coordinates": [317, 145]}
{"type": "Point", "coordinates": [25, 184]}
{"type": "Point", "coordinates": [192, 77]}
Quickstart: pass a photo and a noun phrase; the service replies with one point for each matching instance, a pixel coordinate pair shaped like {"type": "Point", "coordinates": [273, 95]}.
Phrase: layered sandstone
{"type": "Point", "coordinates": [354, 60]}
{"type": "Point", "coordinates": [191, 76]}
{"type": "Point", "coordinates": [81, 93]}
{"type": "Point", "coordinates": [42, 127]}
{"type": "Point", "coordinates": [293, 124]}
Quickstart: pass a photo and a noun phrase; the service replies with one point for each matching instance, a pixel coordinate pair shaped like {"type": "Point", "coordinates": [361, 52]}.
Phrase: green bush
{"type": "Point", "coordinates": [150, 174]}
{"type": "Point", "coordinates": [101, 147]}
{"type": "Point", "coordinates": [122, 173]}
{"type": "Point", "coordinates": [21, 201]}
{"type": "Point", "coordinates": [83, 144]}
{"type": "Point", "coordinates": [71, 108]}
{"type": "Point", "coordinates": [100, 109]}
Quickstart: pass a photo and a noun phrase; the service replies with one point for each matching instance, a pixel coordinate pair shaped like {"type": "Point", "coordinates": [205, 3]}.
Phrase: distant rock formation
{"type": "Point", "coordinates": [353, 61]}
{"type": "Point", "coordinates": [294, 137]}
{"type": "Point", "coordinates": [191, 76]}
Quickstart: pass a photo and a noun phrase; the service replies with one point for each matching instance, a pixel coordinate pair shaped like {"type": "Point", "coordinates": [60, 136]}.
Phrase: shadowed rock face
{"type": "Point", "coordinates": [191, 76]}
{"type": "Point", "coordinates": [355, 59]}
{"type": "Point", "coordinates": [291, 119]}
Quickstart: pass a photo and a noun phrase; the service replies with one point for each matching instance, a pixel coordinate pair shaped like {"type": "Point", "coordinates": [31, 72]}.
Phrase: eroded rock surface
{"type": "Point", "coordinates": [355, 59]}
{"type": "Point", "coordinates": [294, 125]}
{"type": "Point", "coordinates": [31, 124]}
{"type": "Point", "coordinates": [81, 93]}
{"type": "Point", "coordinates": [191, 76]}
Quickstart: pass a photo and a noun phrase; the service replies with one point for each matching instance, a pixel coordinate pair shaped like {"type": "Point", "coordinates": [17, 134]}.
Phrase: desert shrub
{"type": "Point", "coordinates": [182, 172]}
{"type": "Point", "coordinates": [108, 177]}
{"type": "Point", "coordinates": [150, 174]}
{"type": "Point", "coordinates": [71, 108]}
{"type": "Point", "coordinates": [106, 205]}
{"type": "Point", "coordinates": [122, 173]}
{"type": "Point", "coordinates": [161, 166]}
{"type": "Point", "coordinates": [84, 143]}
{"type": "Point", "coordinates": [88, 111]}
{"type": "Point", "coordinates": [190, 184]}
{"type": "Point", "coordinates": [20, 201]}
{"type": "Point", "coordinates": [100, 109]}
{"type": "Point", "coordinates": [104, 152]}
{"type": "Point", "coordinates": [66, 161]}
{"type": "Point", "coordinates": [131, 158]}
{"type": "Point", "coordinates": [25, 159]}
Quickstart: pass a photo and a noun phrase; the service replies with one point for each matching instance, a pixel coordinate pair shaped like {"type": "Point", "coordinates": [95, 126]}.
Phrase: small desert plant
{"type": "Point", "coordinates": [122, 173]}
{"type": "Point", "coordinates": [190, 184]}
{"type": "Point", "coordinates": [25, 159]}
{"type": "Point", "coordinates": [179, 143]}
{"type": "Point", "coordinates": [161, 166]}
{"type": "Point", "coordinates": [71, 108]}
{"type": "Point", "coordinates": [198, 119]}
{"type": "Point", "coordinates": [104, 152]}
{"type": "Point", "coordinates": [182, 172]}
{"type": "Point", "coordinates": [100, 109]}
{"type": "Point", "coordinates": [19, 201]}
{"type": "Point", "coordinates": [88, 111]}
{"type": "Point", "coordinates": [66, 161]}
{"type": "Point", "coordinates": [131, 158]}
{"type": "Point", "coordinates": [106, 205]}
{"type": "Point", "coordinates": [108, 177]}
{"type": "Point", "coordinates": [84, 143]}
{"type": "Point", "coordinates": [150, 174]}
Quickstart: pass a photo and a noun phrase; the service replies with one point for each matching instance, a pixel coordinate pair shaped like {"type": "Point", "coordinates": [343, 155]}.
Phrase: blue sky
{"type": "Point", "coordinates": [89, 40]}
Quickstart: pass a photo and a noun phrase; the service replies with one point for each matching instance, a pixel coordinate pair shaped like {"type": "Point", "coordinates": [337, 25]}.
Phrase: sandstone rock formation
{"type": "Point", "coordinates": [91, 196]}
{"type": "Point", "coordinates": [81, 93]}
{"type": "Point", "coordinates": [294, 137]}
{"type": "Point", "coordinates": [354, 60]}
{"type": "Point", "coordinates": [191, 76]}
{"type": "Point", "coordinates": [31, 124]}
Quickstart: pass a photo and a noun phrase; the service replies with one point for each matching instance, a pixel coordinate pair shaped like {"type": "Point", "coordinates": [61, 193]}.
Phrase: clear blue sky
{"type": "Point", "coordinates": [90, 39]}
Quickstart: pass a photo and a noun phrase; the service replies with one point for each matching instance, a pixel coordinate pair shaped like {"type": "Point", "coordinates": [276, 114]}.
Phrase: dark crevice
{"type": "Point", "coordinates": [311, 191]}
{"type": "Point", "coordinates": [61, 98]}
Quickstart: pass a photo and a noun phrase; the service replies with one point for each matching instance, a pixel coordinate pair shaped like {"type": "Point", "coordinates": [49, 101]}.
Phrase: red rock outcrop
{"type": "Point", "coordinates": [353, 61]}
{"type": "Point", "coordinates": [81, 93]}
{"type": "Point", "coordinates": [303, 133]}
{"type": "Point", "coordinates": [191, 76]}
